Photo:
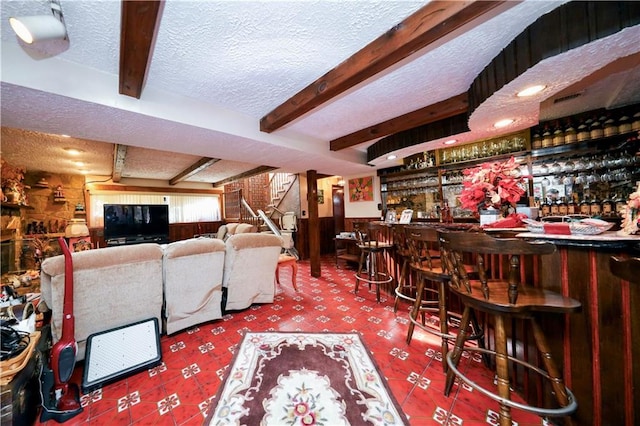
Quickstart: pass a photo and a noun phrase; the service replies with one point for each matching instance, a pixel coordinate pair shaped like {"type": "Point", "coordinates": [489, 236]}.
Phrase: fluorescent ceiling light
{"type": "Point", "coordinates": [503, 123]}
{"type": "Point", "coordinates": [532, 90]}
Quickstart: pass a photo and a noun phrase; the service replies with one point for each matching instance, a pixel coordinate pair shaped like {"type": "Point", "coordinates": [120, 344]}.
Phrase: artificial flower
{"type": "Point", "coordinates": [631, 215]}
{"type": "Point", "coordinates": [491, 185]}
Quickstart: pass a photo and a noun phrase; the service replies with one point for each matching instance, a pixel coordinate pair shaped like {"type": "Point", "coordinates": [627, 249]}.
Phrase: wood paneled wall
{"type": "Point", "coordinates": [326, 236]}
{"type": "Point", "coordinates": [177, 231]}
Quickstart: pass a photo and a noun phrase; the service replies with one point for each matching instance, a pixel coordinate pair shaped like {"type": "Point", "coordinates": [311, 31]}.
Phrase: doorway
{"type": "Point", "coordinates": [337, 196]}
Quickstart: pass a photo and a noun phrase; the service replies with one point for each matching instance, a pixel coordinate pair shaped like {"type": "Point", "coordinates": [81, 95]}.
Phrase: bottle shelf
{"type": "Point", "coordinates": [588, 146]}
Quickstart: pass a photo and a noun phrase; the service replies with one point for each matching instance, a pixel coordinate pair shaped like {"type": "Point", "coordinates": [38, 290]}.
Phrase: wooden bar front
{"type": "Point", "coordinates": [598, 346]}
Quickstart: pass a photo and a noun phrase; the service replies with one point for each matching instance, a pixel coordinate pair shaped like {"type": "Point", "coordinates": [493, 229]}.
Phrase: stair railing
{"type": "Point", "coordinates": [279, 186]}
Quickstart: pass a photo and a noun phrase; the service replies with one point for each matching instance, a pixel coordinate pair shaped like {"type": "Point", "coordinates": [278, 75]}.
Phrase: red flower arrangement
{"type": "Point", "coordinates": [492, 185]}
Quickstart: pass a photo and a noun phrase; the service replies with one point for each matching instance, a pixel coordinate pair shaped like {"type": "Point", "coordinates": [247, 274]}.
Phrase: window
{"type": "Point", "coordinates": [182, 208]}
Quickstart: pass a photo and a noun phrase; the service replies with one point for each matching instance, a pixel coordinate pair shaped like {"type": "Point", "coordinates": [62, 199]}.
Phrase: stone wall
{"type": "Point", "coordinates": [53, 213]}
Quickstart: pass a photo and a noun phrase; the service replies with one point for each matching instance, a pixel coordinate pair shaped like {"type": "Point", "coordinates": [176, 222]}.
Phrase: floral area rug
{"type": "Point", "coordinates": [304, 379]}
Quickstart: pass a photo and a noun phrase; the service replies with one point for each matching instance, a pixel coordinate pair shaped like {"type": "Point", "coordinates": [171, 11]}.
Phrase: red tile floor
{"type": "Point", "coordinates": [194, 361]}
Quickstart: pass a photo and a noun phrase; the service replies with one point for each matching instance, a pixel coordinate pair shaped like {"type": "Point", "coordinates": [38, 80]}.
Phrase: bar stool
{"type": "Point", "coordinates": [420, 242]}
{"type": "Point", "coordinates": [401, 251]}
{"type": "Point", "coordinates": [373, 242]}
{"type": "Point", "coordinates": [627, 269]}
{"type": "Point", "coordinates": [502, 299]}
{"type": "Point", "coordinates": [425, 262]}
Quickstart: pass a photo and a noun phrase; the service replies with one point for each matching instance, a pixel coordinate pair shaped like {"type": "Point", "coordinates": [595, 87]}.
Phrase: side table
{"type": "Point", "coordinates": [343, 252]}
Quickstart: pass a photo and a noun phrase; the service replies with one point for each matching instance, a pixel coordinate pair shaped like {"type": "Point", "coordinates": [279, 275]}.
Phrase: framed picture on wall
{"type": "Point", "coordinates": [320, 196]}
{"type": "Point", "coordinates": [361, 189]}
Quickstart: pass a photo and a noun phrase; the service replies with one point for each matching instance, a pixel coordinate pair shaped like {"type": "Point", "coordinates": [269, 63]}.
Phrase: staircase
{"type": "Point", "coordinates": [279, 186]}
{"type": "Point", "coordinates": [238, 209]}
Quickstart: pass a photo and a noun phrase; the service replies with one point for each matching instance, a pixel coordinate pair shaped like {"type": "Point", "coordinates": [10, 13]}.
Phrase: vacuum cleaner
{"type": "Point", "coordinates": [61, 399]}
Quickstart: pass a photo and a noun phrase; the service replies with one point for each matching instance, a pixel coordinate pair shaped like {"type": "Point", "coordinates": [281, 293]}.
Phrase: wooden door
{"type": "Point", "coordinates": [337, 195]}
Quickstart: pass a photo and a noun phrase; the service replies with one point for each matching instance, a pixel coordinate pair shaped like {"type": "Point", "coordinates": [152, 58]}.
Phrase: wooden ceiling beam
{"type": "Point", "coordinates": [429, 114]}
{"type": "Point", "coordinates": [119, 155]}
{"type": "Point", "coordinates": [139, 20]}
{"type": "Point", "coordinates": [193, 169]}
{"type": "Point", "coordinates": [248, 173]}
{"type": "Point", "coordinates": [426, 26]}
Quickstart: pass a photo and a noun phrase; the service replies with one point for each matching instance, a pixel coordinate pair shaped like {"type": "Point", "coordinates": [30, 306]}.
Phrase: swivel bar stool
{"type": "Point", "coordinates": [421, 241]}
{"type": "Point", "coordinates": [426, 264]}
{"type": "Point", "coordinates": [374, 243]}
{"type": "Point", "coordinates": [401, 252]}
{"type": "Point", "coordinates": [627, 269]}
{"type": "Point", "coordinates": [503, 299]}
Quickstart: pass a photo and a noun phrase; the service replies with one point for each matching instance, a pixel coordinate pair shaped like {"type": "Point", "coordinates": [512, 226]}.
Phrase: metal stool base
{"type": "Point", "coordinates": [540, 411]}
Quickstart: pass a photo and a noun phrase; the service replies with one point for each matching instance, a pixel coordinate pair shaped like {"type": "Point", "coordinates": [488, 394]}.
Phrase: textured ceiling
{"type": "Point", "coordinates": [217, 67]}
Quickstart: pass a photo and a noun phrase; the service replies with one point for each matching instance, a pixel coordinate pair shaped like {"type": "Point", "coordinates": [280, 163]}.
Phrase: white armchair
{"type": "Point", "coordinates": [249, 269]}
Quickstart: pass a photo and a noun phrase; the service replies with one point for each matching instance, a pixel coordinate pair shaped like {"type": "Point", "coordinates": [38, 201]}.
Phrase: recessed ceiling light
{"type": "Point", "coordinates": [65, 136]}
{"type": "Point", "coordinates": [73, 151]}
{"type": "Point", "coordinates": [84, 172]}
{"type": "Point", "coordinates": [391, 157]}
{"type": "Point", "coordinates": [503, 123]}
{"type": "Point", "coordinates": [532, 90]}
{"type": "Point", "coordinates": [450, 142]}
{"type": "Point", "coordinates": [78, 163]}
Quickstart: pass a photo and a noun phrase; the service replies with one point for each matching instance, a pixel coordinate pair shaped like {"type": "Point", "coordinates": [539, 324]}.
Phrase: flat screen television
{"type": "Point", "coordinates": [136, 223]}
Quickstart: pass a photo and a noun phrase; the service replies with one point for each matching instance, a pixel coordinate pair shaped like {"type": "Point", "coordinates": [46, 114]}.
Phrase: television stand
{"type": "Point", "coordinates": [123, 241]}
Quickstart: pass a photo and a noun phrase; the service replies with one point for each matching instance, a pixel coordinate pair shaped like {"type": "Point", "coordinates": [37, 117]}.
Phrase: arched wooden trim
{"type": "Point", "coordinates": [571, 25]}
{"type": "Point", "coordinates": [427, 132]}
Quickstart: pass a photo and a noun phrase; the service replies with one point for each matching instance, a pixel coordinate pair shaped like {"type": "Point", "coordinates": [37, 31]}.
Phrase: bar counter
{"type": "Point", "coordinates": [600, 346]}
{"type": "Point", "coordinates": [597, 348]}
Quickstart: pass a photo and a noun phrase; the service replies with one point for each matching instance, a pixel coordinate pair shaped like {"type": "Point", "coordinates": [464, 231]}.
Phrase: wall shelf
{"type": "Point", "coordinates": [13, 206]}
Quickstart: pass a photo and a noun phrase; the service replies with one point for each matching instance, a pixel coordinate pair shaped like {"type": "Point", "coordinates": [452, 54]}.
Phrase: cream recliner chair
{"type": "Point", "coordinates": [249, 269]}
{"type": "Point", "coordinates": [112, 287]}
{"type": "Point", "coordinates": [192, 282]}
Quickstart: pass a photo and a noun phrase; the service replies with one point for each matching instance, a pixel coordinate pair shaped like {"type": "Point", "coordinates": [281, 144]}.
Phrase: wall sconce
{"type": "Point", "coordinates": [37, 28]}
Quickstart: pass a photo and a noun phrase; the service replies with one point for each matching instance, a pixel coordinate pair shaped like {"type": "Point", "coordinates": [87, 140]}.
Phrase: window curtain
{"type": "Point", "coordinates": [182, 208]}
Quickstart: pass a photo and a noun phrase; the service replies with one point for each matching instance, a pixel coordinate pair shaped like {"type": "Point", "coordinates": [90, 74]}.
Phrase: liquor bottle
{"type": "Point", "coordinates": [558, 135]}
{"type": "Point", "coordinates": [572, 206]}
{"type": "Point", "coordinates": [545, 208]}
{"type": "Point", "coordinates": [596, 131]}
{"type": "Point", "coordinates": [570, 134]}
{"type": "Point", "coordinates": [563, 207]}
{"type": "Point", "coordinates": [547, 137]}
{"type": "Point", "coordinates": [621, 204]}
{"type": "Point", "coordinates": [554, 210]}
{"type": "Point", "coordinates": [610, 127]}
{"type": "Point", "coordinates": [595, 208]}
{"type": "Point", "coordinates": [536, 140]}
{"type": "Point", "coordinates": [585, 206]}
{"type": "Point", "coordinates": [635, 123]}
{"type": "Point", "coordinates": [446, 212]}
{"type": "Point", "coordinates": [608, 207]}
{"type": "Point", "coordinates": [583, 132]}
{"type": "Point", "coordinates": [624, 124]}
